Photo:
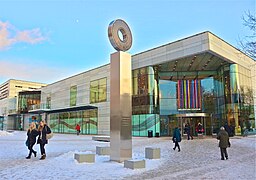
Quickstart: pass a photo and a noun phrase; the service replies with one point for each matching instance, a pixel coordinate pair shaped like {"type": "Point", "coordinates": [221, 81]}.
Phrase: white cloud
{"type": "Point", "coordinates": [9, 35]}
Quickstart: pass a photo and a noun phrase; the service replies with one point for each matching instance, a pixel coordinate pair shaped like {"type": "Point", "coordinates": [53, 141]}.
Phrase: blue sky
{"type": "Point", "coordinates": [48, 40]}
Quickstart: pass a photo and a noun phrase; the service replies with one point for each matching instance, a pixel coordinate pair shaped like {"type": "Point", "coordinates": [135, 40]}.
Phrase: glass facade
{"type": "Point", "coordinates": [145, 104]}
{"type": "Point", "coordinates": [164, 98]}
{"type": "Point", "coordinates": [141, 124]}
{"type": "Point", "coordinates": [65, 122]}
{"type": "Point", "coordinates": [28, 100]}
{"type": "Point", "coordinates": [98, 91]}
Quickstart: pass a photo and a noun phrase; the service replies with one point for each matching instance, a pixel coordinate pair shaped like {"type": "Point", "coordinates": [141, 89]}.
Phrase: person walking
{"type": "Point", "coordinates": [200, 128]}
{"type": "Point", "coordinates": [223, 138]}
{"type": "Point", "coordinates": [188, 131]}
{"type": "Point", "coordinates": [176, 138]}
{"type": "Point", "coordinates": [31, 140]}
{"type": "Point", "coordinates": [78, 129]}
{"type": "Point", "coordinates": [43, 129]}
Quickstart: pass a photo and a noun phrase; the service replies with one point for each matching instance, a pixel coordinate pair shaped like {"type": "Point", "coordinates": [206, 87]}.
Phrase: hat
{"type": "Point", "coordinates": [222, 128]}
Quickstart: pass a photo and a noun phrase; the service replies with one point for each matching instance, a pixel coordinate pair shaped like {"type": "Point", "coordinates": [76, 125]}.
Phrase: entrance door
{"type": "Point", "coordinates": [193, 122]}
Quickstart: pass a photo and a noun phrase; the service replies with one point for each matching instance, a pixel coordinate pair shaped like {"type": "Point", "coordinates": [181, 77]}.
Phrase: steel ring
{"type": "Point", "coordinates": [114, 28]}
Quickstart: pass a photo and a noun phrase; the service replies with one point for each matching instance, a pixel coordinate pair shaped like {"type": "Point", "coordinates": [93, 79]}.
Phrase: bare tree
{"type": "Point", "coordinates": [248, 43]}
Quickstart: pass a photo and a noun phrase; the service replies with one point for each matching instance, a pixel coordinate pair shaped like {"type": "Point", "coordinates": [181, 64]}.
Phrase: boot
{"type": "Point", "coordinates": [43, 157]}
{"type": "Point", "coordinates": [35, 153]}
{"type": "Point", "coordinates": [28, 157]}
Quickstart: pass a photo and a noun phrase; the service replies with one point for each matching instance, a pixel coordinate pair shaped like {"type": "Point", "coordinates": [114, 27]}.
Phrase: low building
{"type": "Point", "coordinates": [198, 79]}
{"type": "Point", "coordinates": [9, 92]}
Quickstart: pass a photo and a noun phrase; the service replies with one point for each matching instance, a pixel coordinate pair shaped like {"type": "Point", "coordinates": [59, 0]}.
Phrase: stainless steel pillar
{"type": "Point", "coordinates": [120, 107]}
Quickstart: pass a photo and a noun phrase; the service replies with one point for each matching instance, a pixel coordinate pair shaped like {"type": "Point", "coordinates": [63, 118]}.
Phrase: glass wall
{"type": "Point", "coordinates": [188, 92]}
{"type": "Point", "coordinates": [145, 102]}
{"type": "Point", "coordinates": [98, 90]}
{"type": "Point", "coordinates": [28, 101]}
{"type": "Point", "coordinates": [141, 124]}
{"type": "Point", "coordinates": [145, 91]}
{"type": "Point", "coordinates": [243, 96]}
{"type": "Point", "coordinates": [226, 96]}
{"type": "Point", "coordinates": [65, 122]}
{"type": "Point", "coordinates": [48, 102]}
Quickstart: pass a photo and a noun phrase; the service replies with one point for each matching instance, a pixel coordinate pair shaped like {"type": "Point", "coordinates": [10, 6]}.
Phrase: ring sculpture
{"type": "Point", "coordinates": [116, 27]}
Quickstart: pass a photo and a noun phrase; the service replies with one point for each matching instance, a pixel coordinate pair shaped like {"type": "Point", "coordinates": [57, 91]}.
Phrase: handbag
{"type": "Point", "coordinates": [49, 136]}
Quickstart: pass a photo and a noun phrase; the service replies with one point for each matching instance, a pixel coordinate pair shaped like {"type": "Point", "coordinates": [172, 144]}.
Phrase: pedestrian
{"type": "Point", "coordinates": [43, 129]}
{"type": "Point", "coordinates": [200, 128]}
{"type": "Point", "coordinates": [176, 138]}
{"type": "Point", "coordinates": [223, 142]}
{"type": "Point", "coordinates": [188, 131]}
{"type": "Point", "coordinates": [31, 140]}
{"type": "Point", "coordinates": [78, 129]}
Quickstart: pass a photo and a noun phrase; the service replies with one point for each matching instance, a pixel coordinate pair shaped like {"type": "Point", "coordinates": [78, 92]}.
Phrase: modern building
{"type": "Point", "coordinates": [9, 92]}
{"type": "Point", "coordinates": [200, 78]}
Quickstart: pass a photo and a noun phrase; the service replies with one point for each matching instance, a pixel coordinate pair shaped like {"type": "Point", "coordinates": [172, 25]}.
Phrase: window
{"type": "Point", "coordinates": [73, 94]}
{"type": "Point", "coordinates": [48, 102]}
{"type": "Point", "coordinates": [98, 90]}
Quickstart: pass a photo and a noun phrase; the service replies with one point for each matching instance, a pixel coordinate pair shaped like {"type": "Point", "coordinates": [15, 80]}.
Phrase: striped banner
{"type": "Point", "coordinates": [189, 94]}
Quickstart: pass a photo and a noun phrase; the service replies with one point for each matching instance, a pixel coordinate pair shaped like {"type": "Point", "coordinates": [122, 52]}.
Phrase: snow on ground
{"type": "Point", "coordinates": [5, 133]}
{"type": "Point", "coordinates": [198, 159]}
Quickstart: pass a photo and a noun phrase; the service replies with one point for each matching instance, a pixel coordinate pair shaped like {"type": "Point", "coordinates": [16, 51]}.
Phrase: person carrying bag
{"type": "Point", "coordinates": [42, 140]}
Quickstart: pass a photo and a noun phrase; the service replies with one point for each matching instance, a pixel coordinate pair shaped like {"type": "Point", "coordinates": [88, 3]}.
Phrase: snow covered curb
{"type": "Point", "coordinates": [5, 133]}
{"type": "Point", "coordinates": [100, 168]}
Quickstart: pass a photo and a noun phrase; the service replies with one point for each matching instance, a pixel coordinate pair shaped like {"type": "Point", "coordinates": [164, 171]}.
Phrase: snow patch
{"type": "Point", "coordinates": [5, 133]}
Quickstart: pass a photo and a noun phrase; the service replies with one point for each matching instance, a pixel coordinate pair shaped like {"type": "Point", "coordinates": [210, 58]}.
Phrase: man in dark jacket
{"type": "Point", "coordinates": [188, 131]}
{"type": "Point", "coordinates": [223, 138]}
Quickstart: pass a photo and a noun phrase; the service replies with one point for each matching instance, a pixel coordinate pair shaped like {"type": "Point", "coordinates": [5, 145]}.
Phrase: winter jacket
{"type": "Point", "coordinates": [45, 130]}
{"type": "Point", "coordinates": [32, 136]}
{"type": "Point", "coordinates": [187, 129]}
{"type": "Point", "coordinates": [176, 135]}
{"type": "Point", "coordinates": [78, 128]}
{"type": "Point", "coordinates": [224, 139]}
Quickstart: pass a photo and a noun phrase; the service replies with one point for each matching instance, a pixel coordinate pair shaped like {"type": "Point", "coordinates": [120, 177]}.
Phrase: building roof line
{"type": "Point", "coordinates": [191, 37]}
{"type": "Point", "coordinates": [22, 81]}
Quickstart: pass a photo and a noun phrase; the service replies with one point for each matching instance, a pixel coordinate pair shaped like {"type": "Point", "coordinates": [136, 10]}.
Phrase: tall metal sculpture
{"type": "Point", "coordinates": [120, 92]}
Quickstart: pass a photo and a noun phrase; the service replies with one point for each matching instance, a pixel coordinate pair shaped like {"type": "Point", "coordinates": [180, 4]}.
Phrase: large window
{"type": "Point", "coordinates": [142, 123]}
{"type": "Point", "coordinates": [73, 94]}
{"type": "Point", "coordinates": [65, 122]}
{"type": "Point", "coordinates": [28, 100]}
{"type": "Point", "coordinates": [145, 91]}
{"type": "Point", "coordinates": [98, 90]}
{"type": "Point", "coordinates": [48, 102]}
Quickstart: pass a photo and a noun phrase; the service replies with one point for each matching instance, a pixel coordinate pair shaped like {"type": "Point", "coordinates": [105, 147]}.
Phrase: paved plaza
{"type": "Point", "coordinates": [198, 159]}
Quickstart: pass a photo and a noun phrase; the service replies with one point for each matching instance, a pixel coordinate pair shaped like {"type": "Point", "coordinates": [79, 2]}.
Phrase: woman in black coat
{"type": "Point", "coordinates": [43, 129]}
{"type": "Point", "coordinates": [31, 140]}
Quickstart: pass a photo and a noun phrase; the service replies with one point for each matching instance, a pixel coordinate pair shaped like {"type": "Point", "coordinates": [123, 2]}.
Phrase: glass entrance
{"type": "Point", "coordinates": [195, 126]}
{"type": "Point", "coordinates": [198, 124]}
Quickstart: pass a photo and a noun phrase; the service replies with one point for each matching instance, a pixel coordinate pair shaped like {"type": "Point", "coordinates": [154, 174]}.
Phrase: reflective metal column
{"type": "Point", "coordinates": [120, 107]}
